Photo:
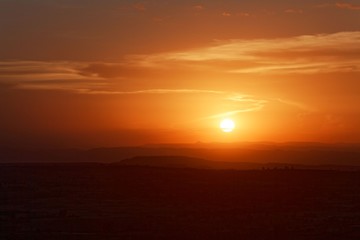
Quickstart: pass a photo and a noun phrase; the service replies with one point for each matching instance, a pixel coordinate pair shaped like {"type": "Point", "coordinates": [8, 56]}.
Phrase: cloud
{"type": "Point", "coordinates": [294, 11]}
{"type": "Point", "coordinates": [297, 105]}
{"type": "Point", "coordinates": [226, 14]}
{"type": "Point", "coordinates": [47, 75]}
{"type": "Point", "coordinates": [98, 78]}
{"type": "Point", "coordinates": [338, 52]}
{"type": "Point", "coordinates": [340, 5]}
{"type": "Point", "coordinates": [57, 70]}
{"type": "Point", "coordinates": [244, 14]}
{"type": "Point", "coordinates": [153, 91]}
{"type": "Point", "coordinates": [39, 70]}
{"type": "Point", "coordinates": [348, 6]}
{"type": "Point", "coordinates": [139, 7]}
{"type": "Point", "coordinates": [243, 104]}
{"type": "Point", "coordinates": [308, 54]}
{"type": "Point", "coordinates": [198, 7]}
{"type": "Point", "coordinates": [104, 70]}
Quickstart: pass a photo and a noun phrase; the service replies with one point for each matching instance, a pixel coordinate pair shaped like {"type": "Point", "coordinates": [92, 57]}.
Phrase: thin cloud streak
{"type": "Point", "coordinates": [298, 105]}
{"type": "Point", "coordinates": [37, 70]}
{"type": "Point", "coordinates": [253, 104]}
{"type": "Point", "coordinates": [338, 52]}
{"type": "Point", "coordinates": [66, 76]}
{"type": "Point", "coordinates": [79, 79]}
{"type": "Point", "coordinates": [257, 104]}
{"type": "Point", "coordinates": [152, 91]}
{"type": "Point", "coordinates": [249, 104]}
{"type": "Point", "coordinates": [348, 6]}
{"type": "Point", "coordinates": [309, 54]}
{"type": "Point", "coordinates": [233, 113]}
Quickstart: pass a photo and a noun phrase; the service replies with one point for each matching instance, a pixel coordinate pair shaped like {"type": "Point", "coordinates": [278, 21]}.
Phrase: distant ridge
{"type": "Point", "coordinates": [166, 161]}
{"type": "Point", "coordinates": [185, 162]}
{"type": "Point", "coordinates": [190, 162]}
{"type": "Point", "coordinates": [201, 155]}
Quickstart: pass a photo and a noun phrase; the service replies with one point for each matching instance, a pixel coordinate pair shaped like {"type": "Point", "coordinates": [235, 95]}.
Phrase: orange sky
{"type": "Point", "coordinates": [110, 73]}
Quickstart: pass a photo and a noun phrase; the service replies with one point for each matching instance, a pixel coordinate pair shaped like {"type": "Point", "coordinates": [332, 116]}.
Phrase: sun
{"type": "Point", "coordinates": [227, 125]}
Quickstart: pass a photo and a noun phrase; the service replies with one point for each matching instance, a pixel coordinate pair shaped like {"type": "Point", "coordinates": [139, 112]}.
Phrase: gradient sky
{"type": "Point", "coordinates": [88, 73]}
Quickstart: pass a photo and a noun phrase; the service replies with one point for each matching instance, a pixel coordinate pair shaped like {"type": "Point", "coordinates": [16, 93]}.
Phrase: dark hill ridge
{"type": "Point", "coordinates": [257, 153]}
{"type": "Point", "coordinates": [189, 162]}
{"type": "Point", "coordinates": [166, 161]}
{"type": "Point", "coordinates": [185, 162]}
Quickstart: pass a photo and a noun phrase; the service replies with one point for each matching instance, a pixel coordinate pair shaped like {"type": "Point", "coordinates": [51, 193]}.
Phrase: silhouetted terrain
{"type": "Point", "coordinates": [99, 201]}
{"type": "Point", "coordinates": [250, 155]}
{"type": "Point", "coordinates": [294, 191]}
{"type": "Point", "coordinates": [189, 162]}
{"type": "Point", "coordinates": [166, 161]}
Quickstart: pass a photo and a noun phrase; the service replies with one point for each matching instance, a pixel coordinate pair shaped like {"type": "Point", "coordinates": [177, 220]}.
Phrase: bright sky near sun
{"type": "Point", "coordinates": [111, 72]}
{"type": "Point", "coordinates": [227, 125]}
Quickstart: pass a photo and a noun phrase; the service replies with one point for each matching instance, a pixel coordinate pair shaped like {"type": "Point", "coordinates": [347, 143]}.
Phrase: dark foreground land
{"type": "Point", "coordinates": [98, 201]}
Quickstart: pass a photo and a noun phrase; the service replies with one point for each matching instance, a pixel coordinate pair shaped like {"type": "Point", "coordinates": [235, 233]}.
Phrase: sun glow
{"type": "Point", "coordinates": [227, 125]}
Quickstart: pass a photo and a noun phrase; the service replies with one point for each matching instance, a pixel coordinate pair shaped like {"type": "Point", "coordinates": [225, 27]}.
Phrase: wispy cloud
{"type": "Point", "coordinates": [308, 54]}
{"type": "Point", "coordinates": [294, 11]}
{"type": "Point", "coordinates": [97, 78]}
{"type": "Point", "coordinates": [244, 14]}
{"type": "Point", "coordinates": [198, 7]}
{"type": "Point", "coordinates": [139, 7]}
{"type": "Point", "coordinates": [48, 75]}
{"type": "Point", "coordinates": [248, 103]}
{"type": "Point", "coordinates": [226, 14]}
{"type": "Point", "coordinates": [38, 70]}
{"type": "Point", "coordinates": [242, 103]}
{"type": "Point", "coordinates": [297, 105]}
{"type": "Point", "coordinates": [340, 5]}
{"type": "Point", "coordinates": [338, 52]}
{"type": "Point", "coordinates": [348, 6]}
{"type": "Point", "coordinates": [152, 91]}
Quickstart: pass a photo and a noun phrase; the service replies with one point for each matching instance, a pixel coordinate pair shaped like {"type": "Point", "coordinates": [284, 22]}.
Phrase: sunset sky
{"type": "Point", "coordinates": [87, 73]}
